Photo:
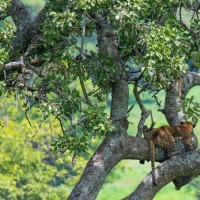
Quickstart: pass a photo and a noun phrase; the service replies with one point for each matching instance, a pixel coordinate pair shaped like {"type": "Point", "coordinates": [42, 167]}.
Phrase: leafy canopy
{"type": "Point", "coordinates": [73, 81]}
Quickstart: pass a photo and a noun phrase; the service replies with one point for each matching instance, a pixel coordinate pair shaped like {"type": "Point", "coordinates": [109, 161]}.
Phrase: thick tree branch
{"type": "Point", "coordinates": [23, 22]}
{"type": "Point", "coordinates": [110, 151]}
{"type": "Point", "coordinates": [187, 164]}
{"type": "Point", "coordinates": [105, 158]}
{"type": "Point", "coordinates": [173, 109]}
{"type": "Point", "coordinates": [40, 17]}
{"type": "Point", "coordinates": [131, 145]}
{"type": "Point", "coordinates": [26, 28]}
{"type": "Point", "coordinates": [106, 43]}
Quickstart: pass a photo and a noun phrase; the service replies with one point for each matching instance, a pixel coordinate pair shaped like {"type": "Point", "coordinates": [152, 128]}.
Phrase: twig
{"type": "Point", "coordinates": [63, 150]}
{"type": "Point", "coordinates": [138, 77]}
{"type": "Point", "coordinates": [73, 160]}
{"type": "Point", "coordinates": [180, 15]}
{"type": "Point", "coordinates": [156, 98]}
{"type": "Point", "coordinates": [27, 116]}
{"type": "Point", "coordinates": [152, 121]}
{"type": "Point", "coordinates": [129, 110]}
{"type": "Point", "coordinates": [145, 113]}
{"type": "Point", "coordinates": [87, 99]}
{"type": "Point", "coordinates": [60, 124]}
{"type": "Point", "coordinates": [38, 129]}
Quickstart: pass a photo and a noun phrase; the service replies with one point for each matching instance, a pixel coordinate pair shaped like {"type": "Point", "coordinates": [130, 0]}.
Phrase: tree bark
{"type": "Point", "coordinates": [105, 158]}
{"type": "Point", "coordinates": [110, 151]}
{"type": "Point", "coordinates": [118, 145]}
{"type": "Point", "coordinates": [187, 164]}
{"type": "Point", "coordinates": [173, 108]}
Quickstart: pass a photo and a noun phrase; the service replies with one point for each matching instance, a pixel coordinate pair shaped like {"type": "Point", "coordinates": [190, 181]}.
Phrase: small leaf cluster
{"type": "Point", "coordinates": [3, 6]}
{"type": "Point", "coordinates": [92, 5]}
{"type": "Point", "coordinates": [191, 109]}
{"type": "Point", "coordinates": [29, 165]}
{"type": "Point", "coordinates": [92, 123]}
{"type": "Point", "coordinates": [58, 23]}
{"type": "Point", "coordinates": [101, 70]}
{"type": "Point", "coordinates": [72, 143]}
{"type": "Point", "coordinates": [196, 59]}
{"type": "Point", "coordinates": [95, 121]}
{"type": "Point", "coordinates": [6, 35]}
{"type": "Point", "coordinates": [168, 48]}
{"type": "Point", "coordinates": [55, 96]}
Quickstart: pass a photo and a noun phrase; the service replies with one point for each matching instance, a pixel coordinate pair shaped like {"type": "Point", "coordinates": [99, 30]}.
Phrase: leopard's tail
{"type": "Point", "coordinates": [152, 156]}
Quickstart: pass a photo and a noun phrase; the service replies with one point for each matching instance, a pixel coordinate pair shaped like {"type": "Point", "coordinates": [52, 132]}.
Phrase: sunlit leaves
{"type": "Point", "coordinates": [7, 31]}
{"type": "Point", "coordinates": [6, 35]}
{"type": "Point", "coordinates": [61, 23]}
{"type": "Point", "coordinates": [29, 168]}
{"type": "Point", "coordinates": [3, 6]}
{"type": "Point", "coordinates": [191, 109]}
{"type": "Point", "coordinates": [92, 123]}
{"type": "Point", "coordinates": [168, 48]}
{"type": "Point", "coordinates": [3, 56]}
{"type": "Point", "coordinates": [95, 121]}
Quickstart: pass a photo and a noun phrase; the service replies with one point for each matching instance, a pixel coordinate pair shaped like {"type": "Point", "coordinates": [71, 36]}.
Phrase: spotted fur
{"type": "Point", "coordinates": [165, 136]}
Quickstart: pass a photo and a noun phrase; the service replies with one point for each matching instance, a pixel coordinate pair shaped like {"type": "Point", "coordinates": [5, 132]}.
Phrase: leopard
{"type": "Point", "coordinates": [165, 137]}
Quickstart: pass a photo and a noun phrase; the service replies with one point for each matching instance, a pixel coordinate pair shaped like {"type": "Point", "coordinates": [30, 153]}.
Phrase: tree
{"type": "Point", "coordinates": [30, 169]}
{"type": "Point", "coordinates": [144, 44]}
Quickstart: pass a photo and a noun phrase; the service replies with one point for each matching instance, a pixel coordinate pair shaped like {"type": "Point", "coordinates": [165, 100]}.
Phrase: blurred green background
{"type": "Point", "coordinates": [29, 169]}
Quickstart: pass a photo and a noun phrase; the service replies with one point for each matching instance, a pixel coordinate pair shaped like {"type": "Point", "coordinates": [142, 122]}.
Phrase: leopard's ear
{"type": "Point", "coordinates": [194, 125]}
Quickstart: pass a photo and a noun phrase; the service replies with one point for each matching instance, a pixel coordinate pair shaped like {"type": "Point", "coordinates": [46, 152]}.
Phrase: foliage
{"type": "Point", "coordinates": [71, 83]}
{"type": "Point", "coordinates": [3, 6]}
{"type": "Point", "coordinates": [159, 47]}
{"type": "Point", "coordinates": [29, 167]}
{"type": "Point", "coordinates": [167, 52]}
{"type": "Point", "coordinates": [196, 59]}
{"type": "Point", "coordinates": [6, 35]}
{"type": "Point", "coordinates": [93, 122]}
{"type": "Point", "coordinates": [191, 109]}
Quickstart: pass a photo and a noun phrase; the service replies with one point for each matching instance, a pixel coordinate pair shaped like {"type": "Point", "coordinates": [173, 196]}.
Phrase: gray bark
{"type": "Point", "coordinates": [26, 28]}
{"type": "Point", "coordinates": [111, 150]}
{"type": "Point", "coordinates": [105, 158]}
{"type": "Point", "coordinates": [173, 109]}
{"type": "Point", "coordinates": [187, 164]}
{"type": "Point", "coordinates": [118, 145]}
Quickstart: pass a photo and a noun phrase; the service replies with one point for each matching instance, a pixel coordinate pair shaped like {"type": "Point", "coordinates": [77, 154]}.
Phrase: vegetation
{"type": "Point", "coordinates": [73, 65]}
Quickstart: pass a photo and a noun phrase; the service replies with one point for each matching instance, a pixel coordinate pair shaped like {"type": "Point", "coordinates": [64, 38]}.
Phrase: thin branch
{"type": "Point", "coordinates": [129, 110]}
{"type": "Point", "coordinates": [180, 10]}
{"type": "Point", "coordinates": [138, 77]}
{"type": "Point", "coordinates": [26, 111]}
{"type": "Point", "coordinates": [145, 113]}
{"type": "Point", "coordinates": [73, 160]}
{"type": "Point", "coordinates": [188, 28]}
{"type": "Point", "coordinates": [156, 98]}
{"type": "Point", "coordinates": [137, 71]}
{"type": "Point", "coordinates": [61, 125]}
{"type": "Point", "coordinates": [63, 150]}
{"type": "Point", "coordinates": [37, 129]}
{"type": "Point", "coordinates": [87, 99]}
